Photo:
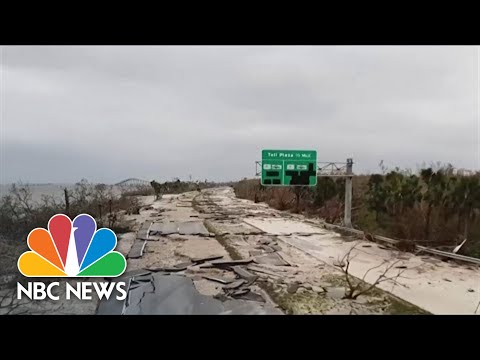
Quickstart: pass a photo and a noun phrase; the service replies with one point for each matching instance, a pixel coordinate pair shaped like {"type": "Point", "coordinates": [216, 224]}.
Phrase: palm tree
{"type": "Point", "coordinates": [393, 192]}
{"type": "Point", "coordinates": [467, 199]}
{"type": "Point", "coordinates": [426, 175]}
{"type": "Point", "coordinates": [376, 194]}
{"type": "Point", "coordinates": [325, 190]}
{"type": "Point", "coordinates": [410, 191]}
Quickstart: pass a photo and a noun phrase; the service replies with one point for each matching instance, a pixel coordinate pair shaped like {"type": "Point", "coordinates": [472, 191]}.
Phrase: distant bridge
{"type": "Point", "coordinates": [132, 182]}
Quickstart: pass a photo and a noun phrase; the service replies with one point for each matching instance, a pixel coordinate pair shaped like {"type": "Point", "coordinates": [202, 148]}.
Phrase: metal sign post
{"type": "Point", "coordinates": [292, 168]}
{"type": "Point", "coordinates": [347, 219]}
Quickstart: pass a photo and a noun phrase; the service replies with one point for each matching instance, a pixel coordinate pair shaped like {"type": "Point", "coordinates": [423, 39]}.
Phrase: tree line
{"type": "Point", "coordinates": [433, 207]}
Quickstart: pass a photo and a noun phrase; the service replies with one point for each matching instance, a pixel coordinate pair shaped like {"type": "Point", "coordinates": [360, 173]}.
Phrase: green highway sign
{"type": "Point", "coordinates": [289, 167]}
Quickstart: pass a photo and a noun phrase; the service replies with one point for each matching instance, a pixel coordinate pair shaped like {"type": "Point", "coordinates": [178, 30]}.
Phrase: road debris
{"type": "Point", "coordinates": [254, 253]}
{"type": "Point", "coordinates": [263, 271]}
{"type": "Point", "coordinates": [271, 259]}
{"type": "Point", "coordinates": [244, 274]}
{"type": "Point", "coordinates": [218, 279]}
{"type": "Point", "coordinates": [207, 258]}
{"type": "Point", "coordinates": [267, 249]}
{"type": "Point", "coordinates": [220, 263]}
{"type": "Point", "coordinates": [240, 292]}
{"type": "Point", "coordinates": [235, 284]}
{"type": "Point", "coordinates": [136, 251]}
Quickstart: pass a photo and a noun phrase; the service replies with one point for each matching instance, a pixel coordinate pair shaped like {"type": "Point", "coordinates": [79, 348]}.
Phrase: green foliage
{"type": "Point", "coordinates": [434, 207]}
{"type": "Point", "coordinates": [327, 188]}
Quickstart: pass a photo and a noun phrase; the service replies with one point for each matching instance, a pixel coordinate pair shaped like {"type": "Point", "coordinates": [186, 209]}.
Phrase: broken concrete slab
{"type": "Point", "coordinates": [265, 241]}
{"type": "Point", "coordinates": [276, 247]}
{"type": "Point", "coordinates": [219, 279]}
{"type": "Point", "coordinates": [271, 259]}
{"type": "Point", "coordinates": [147, 239]}
{"type": "Point", "coordinates": [183, 265]}
{"type": "Point", "coordinates": [244, 274]}
{"type": "Point", "coordinates": [193, 228]}
{"type": "Point", "coordinates": [263, 271]}
{"type": "Point", "coordinates": [143, 231]}
{"type": "Point", "coordinates": [182, 228]}
{"type": "Point", "coordinates": [239, 292]}
{"type": "Point", "coordinates": [220, 263]}
{"type": "Point", "coordinates": [254, 253]}
{"type": "Point", "coordinates": [267, 249]}
{"type": "Point", "coordinates": [205, 259]}
{"type": "Point", "coordinates": [164, 228]}
{"type": "Point", "coordinates": [112, 306]}
{"type": "Point", "coordinates": [142, 278]}
{"type": "Point", "coordinates": [176, 295]}
{"type": "Point", "coordinates": [135, 296]}
{"type": "Point", "coordinates": [155, 269]}
{"type": "Point", "coordinates": [234, 285]}
{"type": "Point", "coordinates": [252, 296]}
{"type": "Point", "coordinates": [132, 273]}
{"type": "Point", "coordinates": [174, 268]}
{"type": "Point", "coordinates": [136, 251]}
{"type": "Point", "coordinates": [170, 295]}
{"type": "Point", "coordinates": [135, 285]}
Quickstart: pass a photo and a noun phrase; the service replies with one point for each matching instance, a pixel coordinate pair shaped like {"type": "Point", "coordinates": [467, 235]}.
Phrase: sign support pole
{"type": "Point", "coordinates": [347, 220]}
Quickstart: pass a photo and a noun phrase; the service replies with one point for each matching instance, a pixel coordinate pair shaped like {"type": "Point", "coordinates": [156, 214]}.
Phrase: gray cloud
{"type": "Point", "coordinates": [107, 113]}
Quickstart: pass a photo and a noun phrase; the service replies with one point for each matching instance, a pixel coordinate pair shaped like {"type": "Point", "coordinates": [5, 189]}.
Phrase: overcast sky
{"type": "Point", "coordinates": [107, 113]}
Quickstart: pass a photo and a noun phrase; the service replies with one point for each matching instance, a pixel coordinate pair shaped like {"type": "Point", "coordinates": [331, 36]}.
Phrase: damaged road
{"type": "Point", "coordinates": [175, 265]}
{"type": "Point", "coordinates": [315, 264]}
{"type": "Point", "coordinates": [210, 253]}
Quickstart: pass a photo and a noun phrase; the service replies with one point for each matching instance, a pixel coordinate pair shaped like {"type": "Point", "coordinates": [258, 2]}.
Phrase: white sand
{"type": "Point", "coordinates": [429, 283]}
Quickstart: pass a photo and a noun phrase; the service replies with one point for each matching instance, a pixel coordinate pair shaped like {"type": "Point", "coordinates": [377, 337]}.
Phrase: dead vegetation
{"type": "Point", "coordinates": [19, 214]}
{"type": "Point", "coordinates": [356, 288]}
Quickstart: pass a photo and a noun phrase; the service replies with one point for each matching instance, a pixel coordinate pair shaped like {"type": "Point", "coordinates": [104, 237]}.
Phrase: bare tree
{"type": "Point", "coordinates": [22, 195]}
{"type": "Point", "coordinates": [300, 192]}
{"type": "Point", "coordinates": [357, 288]}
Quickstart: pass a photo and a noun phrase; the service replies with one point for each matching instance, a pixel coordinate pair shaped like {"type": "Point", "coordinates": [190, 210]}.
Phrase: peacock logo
{"type": "Point", "coordinates": [72, 249]}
